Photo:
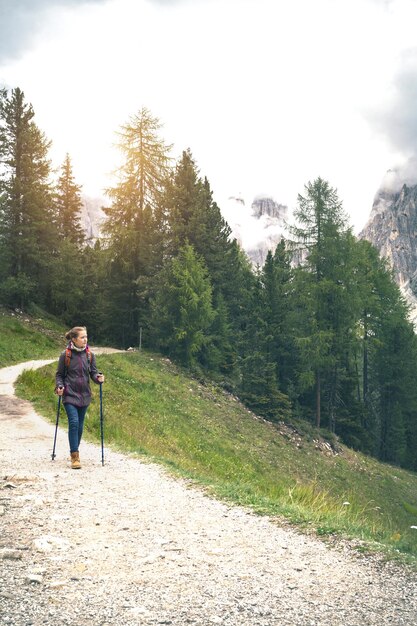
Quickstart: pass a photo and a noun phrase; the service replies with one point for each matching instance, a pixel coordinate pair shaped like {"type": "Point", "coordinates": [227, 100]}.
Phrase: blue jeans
{"type": "Point", "coordinates": [76, 415]}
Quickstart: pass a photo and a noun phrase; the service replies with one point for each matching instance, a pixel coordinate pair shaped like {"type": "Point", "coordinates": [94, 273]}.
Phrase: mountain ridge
{"type": "Point", "coordinates": [392, 229]}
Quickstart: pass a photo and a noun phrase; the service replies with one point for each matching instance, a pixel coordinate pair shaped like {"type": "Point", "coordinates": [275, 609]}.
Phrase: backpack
{"type": "Point", "coordinates": [68, 354]}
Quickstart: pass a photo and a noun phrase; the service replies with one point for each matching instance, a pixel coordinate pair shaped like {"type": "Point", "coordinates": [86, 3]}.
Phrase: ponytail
{"type": "Point", "coordinates": [74, 332]}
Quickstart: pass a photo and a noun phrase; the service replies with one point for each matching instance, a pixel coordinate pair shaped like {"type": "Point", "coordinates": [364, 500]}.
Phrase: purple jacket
{"type": "Point", "coordinates": [76, 378]}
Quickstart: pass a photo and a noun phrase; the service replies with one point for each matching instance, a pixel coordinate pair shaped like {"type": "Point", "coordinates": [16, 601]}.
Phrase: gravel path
{"type": "Point", "coordinates": [126, 544]}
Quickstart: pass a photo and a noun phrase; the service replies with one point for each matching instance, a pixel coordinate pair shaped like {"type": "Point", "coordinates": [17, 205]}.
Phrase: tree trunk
{"type": "Point", "coordinates": [358, 379]}
{"type": "Point", "coordinates": [365, 361]}
{"type": "Point", "coordinates": [318, 399]}
{"type": "Point", "coordinates": [332, 407]}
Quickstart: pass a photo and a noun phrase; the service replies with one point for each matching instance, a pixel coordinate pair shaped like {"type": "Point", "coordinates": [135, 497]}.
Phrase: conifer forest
{"type": "Point", "coordinates": [320, 333]}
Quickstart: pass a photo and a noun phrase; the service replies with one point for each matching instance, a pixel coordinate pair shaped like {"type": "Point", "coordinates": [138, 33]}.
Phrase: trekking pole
{"type": "Point", "coordinates": [56, 425]}
{"type": "Point", "coordinates": [101, 423]}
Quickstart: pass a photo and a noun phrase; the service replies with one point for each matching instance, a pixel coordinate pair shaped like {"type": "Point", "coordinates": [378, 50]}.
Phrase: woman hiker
{"type": "Point", "coordinates": [76, 365]}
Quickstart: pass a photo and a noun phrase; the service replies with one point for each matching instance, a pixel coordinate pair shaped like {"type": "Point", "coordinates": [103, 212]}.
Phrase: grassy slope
{"type": "Point", "coordinates": [154, 409]}
{"type": "Point", "coordinates": [25, 337]}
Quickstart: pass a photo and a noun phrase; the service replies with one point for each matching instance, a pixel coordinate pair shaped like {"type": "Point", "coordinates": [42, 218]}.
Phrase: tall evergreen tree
{"type": "Point", "coordinates": [278, 301]}
{"type": "Point", "coordinates": [389, 351]}
{"type": "Point", "coordinates": [182, 309]}
{"type": "Point", "coordinates": [259, 387]}
{"type": "Point", "coordinates": [66, 284]}
{"type": "Point", "coordinates": [141, 177]}
{"type": "Point", "coordinates": [68, 205]}
{"type": "Point", "coordinates": [91, 305]}
{"type": "Point", "coordinates": [391, 371]}
{"type": "Point", "coordinates": [321, 234]}
{"type": "Point", "coordinates": [193, 216]}
{"type": "Point", "coordinates": [238, 298]}
{"type": "Point", "coordinates": [132, 224]}
{"type": "Point", "coordinates": [26, 215]}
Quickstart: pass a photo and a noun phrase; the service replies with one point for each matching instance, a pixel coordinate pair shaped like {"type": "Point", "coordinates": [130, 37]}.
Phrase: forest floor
{"type": "Point", "coordinates": [128, 544]}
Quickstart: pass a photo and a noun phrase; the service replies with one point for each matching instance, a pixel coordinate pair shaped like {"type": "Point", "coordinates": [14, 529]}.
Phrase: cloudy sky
{"type": "Point", "coordinates": [267, 94]}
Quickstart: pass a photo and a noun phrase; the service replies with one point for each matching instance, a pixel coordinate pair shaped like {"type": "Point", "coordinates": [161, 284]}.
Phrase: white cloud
{"type": "Point", "coordinates": [20, 20]}
{"type": "Point", "coordinates": [267, 94]}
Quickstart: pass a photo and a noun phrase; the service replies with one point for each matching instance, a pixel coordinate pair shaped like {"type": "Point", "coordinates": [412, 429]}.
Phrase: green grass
{"type": "Point", "coordinates": [154, 409]}
{"type": "Point", "coordinates": [25, 337]}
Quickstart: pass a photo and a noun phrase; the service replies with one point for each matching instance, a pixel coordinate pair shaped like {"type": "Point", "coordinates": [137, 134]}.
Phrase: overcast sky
{"type": "Point", "coordinates": [267, 94]}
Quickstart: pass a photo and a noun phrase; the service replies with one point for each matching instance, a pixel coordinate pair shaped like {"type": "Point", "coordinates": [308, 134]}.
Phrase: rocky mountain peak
{"type": "Point", "coordinates": [258, 226]}
{"type": "Point", "coordinates": [264, 205]}
{"type": "Point", "coordinates": [392, 229]}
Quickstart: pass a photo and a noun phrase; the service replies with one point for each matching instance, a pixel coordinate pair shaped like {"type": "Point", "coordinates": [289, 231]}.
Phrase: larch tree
{"type": "Point", "coordinates": [320, 235]}
{"type": "Point", "coordinates": [132, 224]}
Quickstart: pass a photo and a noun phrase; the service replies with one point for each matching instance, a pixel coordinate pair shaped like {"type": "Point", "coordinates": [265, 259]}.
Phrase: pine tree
{"type": "Point", "coordinates": [68, 205]}
{"type": "Point", "coordinates": [237, 293]}
{"type": "Point", "coordinates": [192, 216]}
{"type": "Point", "coordinates": [278, 301]}
{"type": "Point", "coordinates": [182, 309]}
{"type": "Point", "coordinates": [389, 350]}
{"type": "Point", "coordinates": [91, 305]}
{"type": "Point", "coordinates": [259, 387]}
{"type": "Point", "coordinates": [393, 372]}
{"type": "Point", "coordinates": [66, 285]}
{"type": "Point", "coordinates": [218, 355]}
{"type": "Point", "coordinates": [322, 234]}
{"type": "Point", "coordinates": [26, 216]}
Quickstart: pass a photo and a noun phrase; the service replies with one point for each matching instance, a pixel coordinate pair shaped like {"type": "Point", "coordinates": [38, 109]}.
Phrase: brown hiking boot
{"type": "Point", "coordinates": [75, 460]}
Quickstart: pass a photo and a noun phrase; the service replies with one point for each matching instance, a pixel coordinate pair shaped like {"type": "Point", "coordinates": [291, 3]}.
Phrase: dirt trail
{"type": "Point", "coordinates": [126, 544]}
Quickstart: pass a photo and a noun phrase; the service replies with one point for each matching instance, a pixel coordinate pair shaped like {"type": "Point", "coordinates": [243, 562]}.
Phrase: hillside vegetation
{"type": "Point", "coordinates": [25, 337]}
{"type": "Point", "coordinates": [154, 409]}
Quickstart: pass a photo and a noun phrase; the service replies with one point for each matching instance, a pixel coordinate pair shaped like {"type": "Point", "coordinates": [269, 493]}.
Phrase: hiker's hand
{"type": "Point", "coordinates": [60, 391]}
{"type": "Point", "coordinates": [100, 378]}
